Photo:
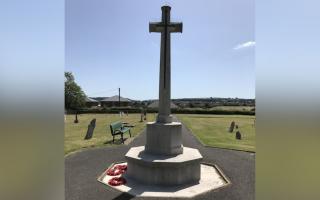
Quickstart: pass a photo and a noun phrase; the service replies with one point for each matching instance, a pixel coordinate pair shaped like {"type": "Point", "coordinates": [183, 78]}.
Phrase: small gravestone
{"type": "Point", "coordinates": [232, 126]}
{"type": "Point", "coordinates": [90, 130]}
{"type": "Point", "coordinates": [238, 135]}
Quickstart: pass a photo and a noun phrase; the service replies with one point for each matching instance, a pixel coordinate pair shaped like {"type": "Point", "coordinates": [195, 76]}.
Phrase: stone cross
{"type": "Point", "coordinates": [165, 27]}
{"type": "Point", "coordinates": [163, 161]}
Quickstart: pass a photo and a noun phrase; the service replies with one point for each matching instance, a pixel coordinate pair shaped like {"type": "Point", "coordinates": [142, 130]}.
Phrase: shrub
{"type": "Point", "coordinates": [174, 111]}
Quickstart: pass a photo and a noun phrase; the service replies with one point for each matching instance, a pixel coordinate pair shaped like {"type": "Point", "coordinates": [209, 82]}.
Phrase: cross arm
{"type": "Point", "coordinates": [158, 27]}
{"type": "Point", "coordinates": [155, 27]}
{"type": "Point", "coordinates": [175, 27]}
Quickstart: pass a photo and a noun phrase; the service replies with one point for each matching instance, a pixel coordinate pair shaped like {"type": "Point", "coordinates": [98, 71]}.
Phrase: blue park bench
{"type": "Point", "coordinates": [119, 128]}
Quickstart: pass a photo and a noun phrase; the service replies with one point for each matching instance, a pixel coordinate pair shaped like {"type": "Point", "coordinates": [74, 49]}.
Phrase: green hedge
{"type": "Point", "coordinates": [217, 112]}
{"type": "Point", "coordinates": [174, 111]}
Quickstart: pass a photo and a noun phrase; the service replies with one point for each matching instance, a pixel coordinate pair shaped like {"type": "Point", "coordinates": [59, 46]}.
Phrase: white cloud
{"type": "Point", "coordinates": [245, 45]}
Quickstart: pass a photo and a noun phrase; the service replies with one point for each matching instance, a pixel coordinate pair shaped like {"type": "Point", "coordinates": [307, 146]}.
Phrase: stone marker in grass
{"type": "Point", "coordinates": [90, 130]}
{"type": "Point", "coordinates": [238, 135]}
{"type": "Point", "coordinates": [231, 126]}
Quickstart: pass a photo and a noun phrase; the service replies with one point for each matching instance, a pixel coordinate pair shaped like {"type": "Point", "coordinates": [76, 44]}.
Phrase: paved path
{"type": "Point", "coordinates": [83, 168]}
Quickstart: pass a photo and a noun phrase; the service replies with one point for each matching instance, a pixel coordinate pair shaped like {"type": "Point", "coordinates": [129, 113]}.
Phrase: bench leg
{"type": "Point", "coordinates": [113, 139]}
{"type": "Point", "coordinates": [122, 138]}
{"type": "Point", "coordinates": [130, 133]}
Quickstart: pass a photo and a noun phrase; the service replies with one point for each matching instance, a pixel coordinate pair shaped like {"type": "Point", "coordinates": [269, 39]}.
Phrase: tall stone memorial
{"type": "Point", "coordinates": [163, 160]}
{"type": "Point", "coordinates": [163, 167]}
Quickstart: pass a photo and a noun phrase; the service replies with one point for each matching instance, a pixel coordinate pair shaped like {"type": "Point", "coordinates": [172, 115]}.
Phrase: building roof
{"type": "Point", "coordinates": [155, 104]}
{"type": "Point", "coordinates": [88, 99]}
{"type": "Point", "coordinates": [115, 99]}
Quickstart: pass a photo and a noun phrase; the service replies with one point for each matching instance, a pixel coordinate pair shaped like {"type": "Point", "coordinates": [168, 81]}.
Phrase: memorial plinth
{"type": "Point", "coordinates": [164, 139]}
{"type": "Point", "coordinates": [163, 170]}
{"type": "Point", "coordinates": [164, 160]}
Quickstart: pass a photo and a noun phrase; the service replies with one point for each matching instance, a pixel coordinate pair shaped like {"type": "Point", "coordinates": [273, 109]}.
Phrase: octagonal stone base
{"type": "Point", "coordinates": [211, 179]}
{"type": "Point", "coordinates": [164, 138]}
{"type": "Point", "coordinates": [163, 170]}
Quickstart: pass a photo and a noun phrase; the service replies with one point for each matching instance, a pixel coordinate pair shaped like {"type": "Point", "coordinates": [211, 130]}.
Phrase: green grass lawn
{"type": "Point", "coordinates": [74, 133]}
{"type": "Point", "coordinates": [212, 130]}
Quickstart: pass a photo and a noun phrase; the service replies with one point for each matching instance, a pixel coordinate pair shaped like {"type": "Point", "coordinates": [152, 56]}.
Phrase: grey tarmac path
{"type": "Point", "coordinates": [83, 168]}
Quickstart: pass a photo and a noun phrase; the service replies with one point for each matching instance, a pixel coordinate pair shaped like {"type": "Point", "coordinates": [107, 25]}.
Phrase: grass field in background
{"type": "Point", "coordinates": [212, 130]}
{"type": "Point", "coordinates": [75, 133]}
{"type": "Point", "coordinates": [233, 108]}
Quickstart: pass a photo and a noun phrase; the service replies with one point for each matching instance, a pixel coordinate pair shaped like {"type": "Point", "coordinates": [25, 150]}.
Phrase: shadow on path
{"type": "Point", "coordinates": [123, 196]}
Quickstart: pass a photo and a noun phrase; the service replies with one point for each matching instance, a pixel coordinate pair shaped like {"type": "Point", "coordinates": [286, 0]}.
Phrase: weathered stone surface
{"type": "Point", "coordinates": [164, 139]}
{"type": "Point", "coordinates": [163, 170]}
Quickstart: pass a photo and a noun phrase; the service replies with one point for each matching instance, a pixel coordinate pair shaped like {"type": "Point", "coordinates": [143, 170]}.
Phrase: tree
{"type": "Point", "coordinates": [74, 96]}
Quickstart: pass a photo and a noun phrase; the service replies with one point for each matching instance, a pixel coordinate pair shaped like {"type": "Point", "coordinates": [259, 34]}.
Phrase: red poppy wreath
{"type": "Point", "coordinates": [116, 181]}
{"type": "Point", "coordinates": [117, 170]}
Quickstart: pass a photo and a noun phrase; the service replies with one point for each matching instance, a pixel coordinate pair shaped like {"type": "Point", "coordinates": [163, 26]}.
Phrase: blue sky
{"type": "Point", "coordinates": [108, 46]}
